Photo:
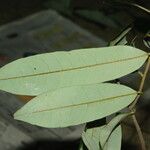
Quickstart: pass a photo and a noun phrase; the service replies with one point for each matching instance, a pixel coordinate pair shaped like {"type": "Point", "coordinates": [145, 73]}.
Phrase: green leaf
{"type": "Point", "coordinates": [91, 140]}
{"type": "Point", "coordinates": [146, 40]}
{"type": "Point", "coordinates": [99, 136]}
{"type": "Point", "coordinates": [81, 148]}
{"type": "Point", "coordinates": [91, 144]}
{"type": "Point", "coordinates": [76, 105]}
{"type": "Point", "coordinates": [107, 129]}
{"type": "Point", "coordinates": [121, 39]}
{"type": "Point", "coordinates": [114, 141]}
{"type": "Point", "coordinates": [40, 73]}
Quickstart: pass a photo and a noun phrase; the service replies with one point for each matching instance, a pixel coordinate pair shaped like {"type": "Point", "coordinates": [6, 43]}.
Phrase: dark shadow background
{"type": "Point", "coordinates": [51, 145]}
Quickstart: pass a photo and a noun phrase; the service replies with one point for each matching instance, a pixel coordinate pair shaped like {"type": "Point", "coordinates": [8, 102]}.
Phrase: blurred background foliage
{"type": "Point", "coordinates": [110, 16]}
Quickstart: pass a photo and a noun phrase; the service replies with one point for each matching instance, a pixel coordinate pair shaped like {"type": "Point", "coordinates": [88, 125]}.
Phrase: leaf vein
{"type": "Point", "coordinates": [85, 103]}
{"type": "Point", "coordinates": [76, 68]}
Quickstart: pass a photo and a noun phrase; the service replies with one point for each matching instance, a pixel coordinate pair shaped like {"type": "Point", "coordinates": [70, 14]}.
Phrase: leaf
{"type": "Point", "coordinates": [91, 143]}
{"type": "Point", "coordinates": [107, 130]}
{"type": "Point", "coordinates": [41, 73]}
{"type": "Point", "coordinates": [99, 136]}
{"type": "Point", "coordinates": [76, 105]}
{"type": "Point", "coordinates": [114, 141]}
{"type": "Point", "coordinates": [146, 39]}
{"type": "Point", "coordinates": [121, 39]}
{"type": "Point", "coordinates": [81, 148]}
{"type": "Point", "coordinates": [91, 140]}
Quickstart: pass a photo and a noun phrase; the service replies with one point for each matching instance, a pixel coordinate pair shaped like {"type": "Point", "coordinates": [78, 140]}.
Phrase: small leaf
{"type": "Point", "coordinates": [81, 148]}
{"type": "Point", "coordinates": [146, 39]}
{"type": "Point", "coordinates": [76, 105]}
{"type": "Point", "coordinates": [107, 130]}
{"type": "Point", "coordinates": [99, 136]}
{"type": "Point", "coordinates": [114, 141]}
{"type": "Point", "coordinates": [91, 143]}
{"type": "Point", "coordinates": [121, 39]}
{"type": "Point", "coordinates": [91, 138]}
{"type": "Point", "coordinates": [46, 72]}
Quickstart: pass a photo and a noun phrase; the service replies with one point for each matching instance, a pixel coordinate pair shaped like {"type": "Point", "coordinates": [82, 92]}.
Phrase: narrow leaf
{"type": "Point", "coordinates": [107, 130]}
{"type": "Point", "coordinates": [100, 135]}
{"type": "Point", "coordinates": [114, 141]}
{"type": "Point", "coordinates": [81, 148]}
{"type": "Point", "coordinates": [41, 73]}
{"type": "Point", "coordinates": [91, 143]}
{"type": "Point", "coordinates": [76, 105]}
{"type": "Point", "coordinates": [121, 39]}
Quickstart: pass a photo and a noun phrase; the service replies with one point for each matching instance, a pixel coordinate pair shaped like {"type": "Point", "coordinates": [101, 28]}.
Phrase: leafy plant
{"type": "Point", "coordinates": [70, 89]}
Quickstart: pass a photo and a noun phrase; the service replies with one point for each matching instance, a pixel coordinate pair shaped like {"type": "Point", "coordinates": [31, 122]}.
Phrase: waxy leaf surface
{"type": "Point", "coordinates": [76, 105]}
{"type": "Point", "coordinates": [46, 72]}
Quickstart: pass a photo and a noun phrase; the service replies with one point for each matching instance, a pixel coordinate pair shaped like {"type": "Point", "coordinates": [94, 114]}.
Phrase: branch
{"type": "Point", "coordinates": [131, 107]}
{"type": "Point", "coordinates": [141, 84]}
{"type": "Point", "coordinates": [140, 135]}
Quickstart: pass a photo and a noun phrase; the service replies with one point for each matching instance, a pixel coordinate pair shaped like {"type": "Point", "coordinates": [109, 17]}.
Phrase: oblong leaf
{"type": "Point", "coordinates": [40, 73]}
{"type": "Point", "coordinates": [76, 105]}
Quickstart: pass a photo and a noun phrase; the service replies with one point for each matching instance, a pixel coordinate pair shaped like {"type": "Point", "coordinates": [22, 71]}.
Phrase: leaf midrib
{"type": "Point", "coordinates": [75, 68]}
{"type": "Point", "coordinates": [85, 103]}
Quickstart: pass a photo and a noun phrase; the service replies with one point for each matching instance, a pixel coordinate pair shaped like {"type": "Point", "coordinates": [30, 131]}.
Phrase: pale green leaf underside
{"type": "Point", "coordinates": [107, 130]}
{"type": "Point", "coordinates": [114, 141]}
{"type": "Point", "coordinates": [40, 73]}
{"type": "Point", "coordinates": [100, 135]}
{"type": "Point", "coordinates": [91, 142]}
{"type": "Point", "coordinates": [76, 105]}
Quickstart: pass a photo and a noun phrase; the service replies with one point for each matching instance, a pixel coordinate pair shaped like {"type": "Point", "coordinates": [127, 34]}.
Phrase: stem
{"type": "Point", "coordinates": [131, 107]}
{"type": "Point", "coordinates": [144, 75]}
{"type": "Point", "coordinates": [141, 84]}
{"type": "Point", "coordinates": [140, 135]}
